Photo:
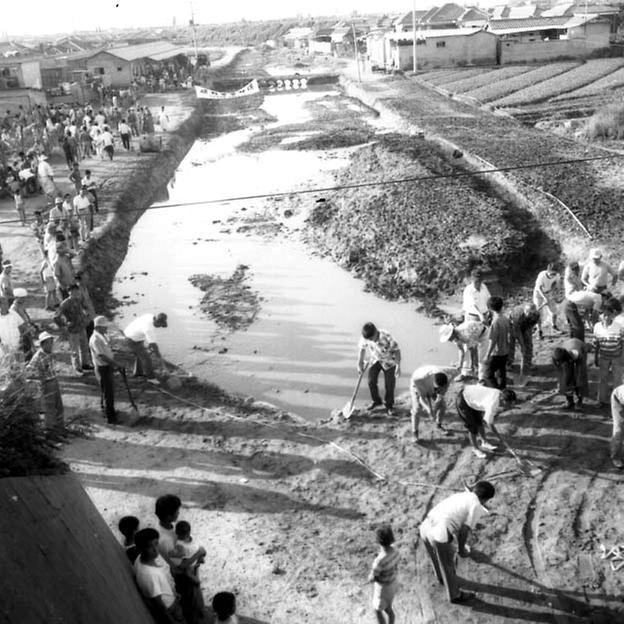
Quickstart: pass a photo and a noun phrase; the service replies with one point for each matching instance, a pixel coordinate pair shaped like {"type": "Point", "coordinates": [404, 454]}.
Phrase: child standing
{"type": "Point", "coordinates": [186, 549]}
{"type": "Point", "coordinates": [49, 283]}
{"type": "Point", "coordinates": [128, 526]}
{"type": "Point", "coordinates": [384, 575]}
{"type": "Point", "coordinates": [224, 606]}
{"type": "Point", "coordinates": [20, 205]}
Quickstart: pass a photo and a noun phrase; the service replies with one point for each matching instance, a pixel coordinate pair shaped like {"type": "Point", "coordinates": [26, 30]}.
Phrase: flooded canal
{"type": "Point", "coordinates": [300, 351]}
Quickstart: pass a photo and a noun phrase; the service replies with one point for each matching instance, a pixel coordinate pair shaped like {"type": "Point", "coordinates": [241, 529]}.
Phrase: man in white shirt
{"type": "Point", "coordinates": [428, 386]}
{"type": "Point", "coordinates": [455, 516]}
{"type": "Point", "coordinates": [154, 578]}
{"type": "Point", "coordinates": [139, 333]}
{"type": "Point", "coordinates": [544, 296]}
{"type": "Point", "coordinates": [476, 295]}
{"type": "Point", "coordinates": [104, 364]}
{"type": "Point", "coordinates": [46, 177]}
{"type": "Point", "coordinates": [83, 206]}
{"type": "Point", "coordinates": [478, 406]}
{"type": "Point", "coordinates": [596, 273]}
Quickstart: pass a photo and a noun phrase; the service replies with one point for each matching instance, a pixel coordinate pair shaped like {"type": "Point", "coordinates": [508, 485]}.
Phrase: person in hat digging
{"type": "Point", "coordinates": [28, 329]}
{"type": "Point", "coordinates": [41, 369]}
{"type": "Point", "coordinates": [6, 286]}
{"type": "Point", "coordinates": [471, 340]}
{"type": "Point", "coordinates": [382, 352]}
{"type": "Point", "coordinates": [105, 365]}
{"type": "Point", "coordinates": [596, 273]}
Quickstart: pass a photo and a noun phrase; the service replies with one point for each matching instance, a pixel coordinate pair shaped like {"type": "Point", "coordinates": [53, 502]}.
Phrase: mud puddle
{"type": "Point", "coordinates": [299, 353]}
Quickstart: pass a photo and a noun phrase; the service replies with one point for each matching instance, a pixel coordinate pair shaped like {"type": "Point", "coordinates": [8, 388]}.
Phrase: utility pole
{"type": "Point", "coordinates": [415, 67]}
{"type": "Point", "coordinates": [355, 53]}
{"type": "Point", "coordinates": [194, 34]}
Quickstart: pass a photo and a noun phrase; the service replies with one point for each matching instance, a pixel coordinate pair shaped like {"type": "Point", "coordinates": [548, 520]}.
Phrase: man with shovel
{"type": "Point", "coordinates": [105, 365]}
{"type": "Point", "coordinates": [382, 353]}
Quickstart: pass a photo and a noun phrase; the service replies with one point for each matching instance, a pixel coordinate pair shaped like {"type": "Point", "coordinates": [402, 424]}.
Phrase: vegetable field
{"type": "Point", "coordinates": [529, 91]}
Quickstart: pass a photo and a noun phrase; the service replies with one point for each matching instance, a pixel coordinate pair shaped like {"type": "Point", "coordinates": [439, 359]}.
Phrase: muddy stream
{"type": "Point", "coordinates": [299, 352]}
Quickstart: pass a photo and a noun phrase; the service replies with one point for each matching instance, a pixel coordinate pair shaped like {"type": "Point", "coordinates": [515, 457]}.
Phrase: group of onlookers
{"type": "Point", "coordinates": [166, 562]}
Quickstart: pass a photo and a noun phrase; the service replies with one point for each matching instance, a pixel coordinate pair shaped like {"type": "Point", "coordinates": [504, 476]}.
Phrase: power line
{"type": "Point", "coordinates": [357, 185]}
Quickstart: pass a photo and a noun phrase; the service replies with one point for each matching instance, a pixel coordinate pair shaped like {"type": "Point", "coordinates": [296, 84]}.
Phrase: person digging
{"type": "Point", "coordinates": [477, 407]}
{"type": "Point", "coordinates": [382, 353]}
{"type": "Point", "coordinates": [428, 387]}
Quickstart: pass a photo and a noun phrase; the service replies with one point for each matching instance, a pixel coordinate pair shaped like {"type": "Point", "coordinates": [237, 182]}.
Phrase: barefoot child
{"type": "Point", "coordinates": [384, 575]}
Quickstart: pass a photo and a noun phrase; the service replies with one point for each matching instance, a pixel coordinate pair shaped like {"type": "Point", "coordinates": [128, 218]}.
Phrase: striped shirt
{"type": "Point", "coordinates": [385, 566]}
{"type": "Point", "coordinates": [608, 340]}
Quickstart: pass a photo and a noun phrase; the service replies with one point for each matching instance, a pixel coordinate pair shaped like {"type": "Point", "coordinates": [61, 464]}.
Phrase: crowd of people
{"type": "Point", "coordinates": [27, 137]}
{"type": "Point", "coordinates": [165, 561]}
{"type": "Point", "coordinates": [487, 339]}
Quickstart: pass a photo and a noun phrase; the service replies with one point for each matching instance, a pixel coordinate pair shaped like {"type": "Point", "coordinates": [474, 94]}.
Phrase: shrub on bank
{"type": "Point", "coordinates": [26, 448]}
{"type": "Point", "coordinates": [419, 239]}
{"type": "Point", "coordinates": [607, 123]}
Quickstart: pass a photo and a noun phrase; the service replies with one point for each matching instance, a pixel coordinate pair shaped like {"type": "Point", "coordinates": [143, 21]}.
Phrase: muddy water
{"type": "Point", "coordinates": [300, 352]}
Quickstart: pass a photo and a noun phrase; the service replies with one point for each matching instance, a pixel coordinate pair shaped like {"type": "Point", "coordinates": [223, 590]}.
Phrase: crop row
{"type": "Point", "coordinates": [568, 81]}
{"type": "Point", "coordinates": [442, 79]}
{"type": "Point", "coordinates": [468, 83]}
{"type": "Point", "coordinates": [611, 81]}
{"type": "Point", "coordinates": [499, 89]}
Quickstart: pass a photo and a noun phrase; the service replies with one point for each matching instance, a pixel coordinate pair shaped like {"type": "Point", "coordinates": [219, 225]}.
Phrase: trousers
{"type": "Point", "coordinates": [79, 349]}
{"type": "Point", "coordinates": [105, 377]}
{"type": "Point", "coordinates": [389, 384]}
{"type": "Point", "coordinates": [617, 413]}
{"type": "Point", "coordinates": [442, 555]}
{"type": "Point", "coordinates": [606, 365]}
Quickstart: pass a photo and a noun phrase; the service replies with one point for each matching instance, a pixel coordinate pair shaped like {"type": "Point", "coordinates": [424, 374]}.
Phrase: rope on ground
{"type": "Point", "coordinates": [357, 185]}
{"type": "Point", "coordinates": [379, 476]}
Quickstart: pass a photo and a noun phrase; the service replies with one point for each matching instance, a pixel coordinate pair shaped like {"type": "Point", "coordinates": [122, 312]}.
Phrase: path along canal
{"type": "Point", "coordinates": [300, 352]}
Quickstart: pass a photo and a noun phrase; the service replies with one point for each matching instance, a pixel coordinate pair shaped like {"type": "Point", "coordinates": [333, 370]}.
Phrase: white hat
{"type": "Point", "coordinates": [595, 253]}
{"type": "Point", "coordinates": [43, 157]}
{"type": "Point", "coordinates": [43, 336]}
{"type": "Point", "coordinates": [446, 331]}
{"type": "Point", "coordinates": [20, 292]}
{"type": "Point", "coordinates": [100, 321]}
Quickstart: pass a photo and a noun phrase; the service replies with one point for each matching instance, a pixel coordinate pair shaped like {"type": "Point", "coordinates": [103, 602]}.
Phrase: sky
{"type": "Point", "coordinates": [63, 16]}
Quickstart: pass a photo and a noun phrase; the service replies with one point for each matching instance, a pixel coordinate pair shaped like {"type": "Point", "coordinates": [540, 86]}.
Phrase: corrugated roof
{"type": "Point", "coordinates": [509, 26]}
{"type": "Point", "coordinates": [436, 33]}
{"type": "Point", "coordinates": [143, 50]}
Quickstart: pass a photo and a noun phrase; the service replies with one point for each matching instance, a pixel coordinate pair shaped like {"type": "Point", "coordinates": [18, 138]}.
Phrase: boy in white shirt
{"type": "Point", "coordinates": [186, 549]}
{"type": "Point", "coordinates": [478, 406]}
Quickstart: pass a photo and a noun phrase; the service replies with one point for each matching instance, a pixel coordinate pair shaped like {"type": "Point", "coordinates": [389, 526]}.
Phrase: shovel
{"type": "Point", "coordinates": [132, 403]}
{"type": "Point", "coordinates": [347, 410]}
{"type": "Point", "coordinates": [524, 465]}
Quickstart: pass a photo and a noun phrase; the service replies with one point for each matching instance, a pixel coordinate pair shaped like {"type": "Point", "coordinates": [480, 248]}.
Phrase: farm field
{"type": "Point", "coordinates": [533, 93]}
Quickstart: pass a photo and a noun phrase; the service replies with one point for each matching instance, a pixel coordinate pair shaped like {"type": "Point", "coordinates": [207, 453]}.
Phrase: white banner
{"type": "Point", "coordinates": [208, 94]}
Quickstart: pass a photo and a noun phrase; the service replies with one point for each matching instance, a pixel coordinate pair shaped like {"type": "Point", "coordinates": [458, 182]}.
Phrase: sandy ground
{"type": "Point", "coordinates": [287, 510]}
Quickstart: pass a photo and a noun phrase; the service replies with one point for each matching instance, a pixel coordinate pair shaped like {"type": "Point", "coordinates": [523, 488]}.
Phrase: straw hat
{"type": "Point", "coordinates": [446, 331]}
{"type": "Point", "coordinates": [595, 254]}
{"type": "Point", "coordinates": [20, 292]}
{"type": "Point", "coordinates": [43, 336]}
{"type": "Point", "coordinates": [100, 321]}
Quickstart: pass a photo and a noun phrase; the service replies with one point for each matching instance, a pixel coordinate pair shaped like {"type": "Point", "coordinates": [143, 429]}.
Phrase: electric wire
{"type": "Point", "coordinates": [358, 185]}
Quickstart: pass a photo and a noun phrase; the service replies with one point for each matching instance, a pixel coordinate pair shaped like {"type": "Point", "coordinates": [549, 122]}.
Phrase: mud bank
{"type": "Point", "coordinates": [106, 250]}
{"type": "Point", "coordinates": [550, 222]}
